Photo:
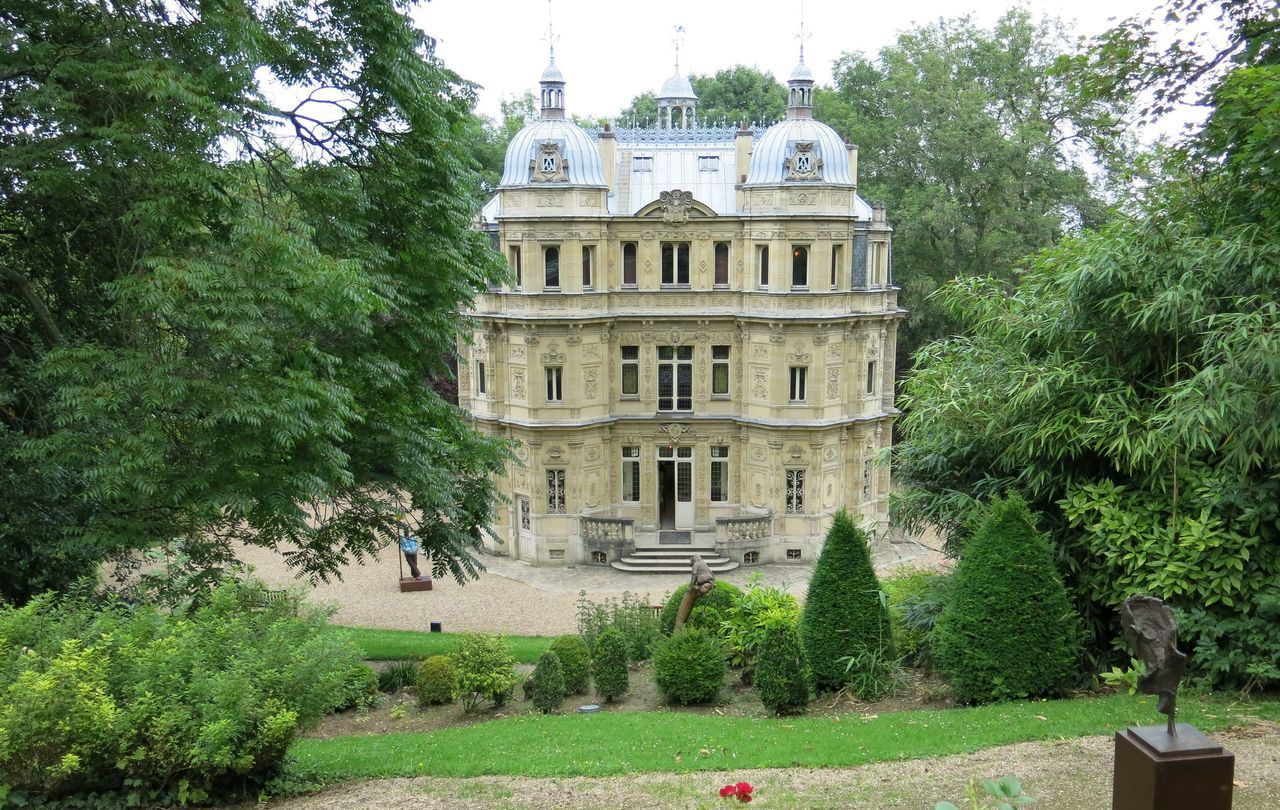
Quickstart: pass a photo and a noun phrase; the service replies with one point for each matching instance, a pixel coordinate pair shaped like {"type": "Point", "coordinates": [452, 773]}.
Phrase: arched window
{"type": "Point", "coordinates": [799, 266]}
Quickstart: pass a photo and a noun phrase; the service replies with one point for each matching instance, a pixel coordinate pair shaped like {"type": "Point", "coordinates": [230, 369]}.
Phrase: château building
{"type": "Point", "coordinates": [696, 349]}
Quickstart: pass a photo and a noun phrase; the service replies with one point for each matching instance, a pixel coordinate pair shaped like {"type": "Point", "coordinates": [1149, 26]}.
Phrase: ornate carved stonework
{"type": "Point", "coordinates": [675, 206]}
{"type": "Point", "coordinates": [804, 163]}
{"type": "Point", "coordinates": [517, 383]}
{"type": "Point", "coordinates": [548, 166]}
{"type": "Point", "coordinates": [833, 383]}
{"type": "Point", "coordinates": [760, 388]}
{"type": "Point", "coordinates": [553, 355]}
{"type": "Point", "coordinates": [590, 377]}
{"type": "Point", "coordinates": [674, 433]}
{"type": "Point", "coordinates": [799, 355]}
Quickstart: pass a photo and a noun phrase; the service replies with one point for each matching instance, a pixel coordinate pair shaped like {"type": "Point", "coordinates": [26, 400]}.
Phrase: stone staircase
{"type": "Point", "coordinates": [672, 560]}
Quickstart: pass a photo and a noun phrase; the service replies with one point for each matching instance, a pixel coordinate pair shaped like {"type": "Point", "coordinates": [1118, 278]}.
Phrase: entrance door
{"type": "Point", "coordinates": [675, 488]}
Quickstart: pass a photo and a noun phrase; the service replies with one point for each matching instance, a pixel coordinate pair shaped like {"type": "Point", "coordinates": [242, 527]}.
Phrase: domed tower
{"type": "Point", "coordinates": [677, 103]}
{"type": "Point", "coordinates": [552, 151]}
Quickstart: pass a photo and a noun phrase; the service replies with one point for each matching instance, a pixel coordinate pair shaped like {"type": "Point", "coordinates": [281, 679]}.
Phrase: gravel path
{"type": "Point", "coordinates": [1060, 775]}
{"type": "Point", "coordinates": [512, 597]}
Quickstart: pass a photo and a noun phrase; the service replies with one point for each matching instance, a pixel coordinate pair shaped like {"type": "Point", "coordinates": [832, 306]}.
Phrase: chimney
{"type": "Point", "coordinates": [743, 141]}
{"type": "Point", "coordinates": [609, 155]}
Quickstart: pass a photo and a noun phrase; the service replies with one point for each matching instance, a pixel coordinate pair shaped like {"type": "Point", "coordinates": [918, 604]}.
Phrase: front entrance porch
{"type": "Point", "coordinates": [741, 538]}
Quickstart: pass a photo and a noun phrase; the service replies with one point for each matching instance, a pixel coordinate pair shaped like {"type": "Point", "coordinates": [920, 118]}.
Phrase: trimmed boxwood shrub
{"type": "Point", "coordinates": [437, 681]}
{"type": "Point", "coordinates": [548, 683]}
{"type": "Point", "coordinates": [843, 613]}
{"type": "Point", "coordinates": [1009, 630]}
{"type": "Point", "coordinates": [782, 673]}
{"type": "Point", "coordinates": [610, 664]}
{"type": "Point", "coordinates": [709, 611]}
{"type": "Point", "coordinates": [575, 658]}
{"type": "Point", "coordinates": [689, 667]}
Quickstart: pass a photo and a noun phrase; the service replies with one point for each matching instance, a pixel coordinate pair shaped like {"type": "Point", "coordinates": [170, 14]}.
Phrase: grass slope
{"type": "Point", "coordinates": [610, 744]}
{"type": "Point", "coordinates": [399, 645]}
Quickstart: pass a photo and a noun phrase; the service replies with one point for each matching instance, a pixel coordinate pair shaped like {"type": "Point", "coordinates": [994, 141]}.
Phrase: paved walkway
{"type": "Point", "coordinates": [512, 597]}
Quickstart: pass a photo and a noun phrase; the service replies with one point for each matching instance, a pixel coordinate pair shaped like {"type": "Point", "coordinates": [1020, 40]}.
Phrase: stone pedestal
{"type": "Point", "coordinates": [1154, 771]}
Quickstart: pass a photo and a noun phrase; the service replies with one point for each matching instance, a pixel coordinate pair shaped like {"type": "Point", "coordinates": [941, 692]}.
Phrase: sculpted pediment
{"type": "Point", "coordinates": [675, 207]}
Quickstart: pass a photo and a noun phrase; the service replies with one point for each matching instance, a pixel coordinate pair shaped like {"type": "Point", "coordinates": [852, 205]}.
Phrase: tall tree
{"type": "Point", "coordinates": [1128, 387]}
{"type": "Point", "coordinates": [978, 140]}
{"type": "Point", "coordinates": [220, 311]}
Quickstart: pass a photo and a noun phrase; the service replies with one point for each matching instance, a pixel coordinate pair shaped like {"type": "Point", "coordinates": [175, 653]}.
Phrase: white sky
{"type": "Point", "coordinates": [611, 52]}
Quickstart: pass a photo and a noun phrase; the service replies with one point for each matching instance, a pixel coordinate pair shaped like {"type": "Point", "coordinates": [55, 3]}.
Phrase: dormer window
{"type": "Point", "coordinates": [708, 163]}
{"type": "Point", "coordinates": [642, 164]}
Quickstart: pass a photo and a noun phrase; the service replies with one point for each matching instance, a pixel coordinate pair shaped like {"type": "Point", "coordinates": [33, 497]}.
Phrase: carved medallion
{"type": "Point", "coordinates": [675, 206]}
{"type": "Point", "coordinates": [804, 163]}
{"type": "Point", "coordinates": [548, 165]}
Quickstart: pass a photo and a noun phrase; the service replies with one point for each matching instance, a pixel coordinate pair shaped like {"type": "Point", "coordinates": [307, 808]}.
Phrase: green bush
{"type": "Point", "coordinates": [437, 681]}
{"type": "Point", "coordinates": [548, 683]}
{"type": "Point", "coordinates": [782, 674]}
{"type": "Point", "coordinates": [744, 628]}
{"type": "Point", "coordinates": [916, 600]}
{"type": "Point", "coordinates": [630, 614]}
{"type": "Point", "coordinates": [361, 688]}
{"type": "Point", "coordinates": [844, 612]}
{"type": "Point", "coordinates": [575, 658]}
{"type": "Point", "coordinates": [1009, 630]}
{"type": "Point", "coordinates": [1236, 651]}
{"type": "Point", "coordinates": [610, 664]}
{"type": "Point", "coordinates": [196, 704]}
{"type": "Point", "coordinates": [689, 667]}
{"type": "Point", "coordinates": [486, 670]}
{"type": "Point", "coordinates": [709, 612]}
{"type": "Point", "coordinates": [398, 675]}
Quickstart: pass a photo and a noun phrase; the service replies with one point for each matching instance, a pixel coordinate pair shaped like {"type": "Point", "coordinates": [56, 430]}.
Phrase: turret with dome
{"type": "Point", "coordinates": [695, 349]}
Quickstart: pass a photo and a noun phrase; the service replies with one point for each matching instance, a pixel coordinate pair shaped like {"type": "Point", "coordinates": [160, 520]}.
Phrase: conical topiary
{"type": "Point", "coordinates": [610, 664]}
{"type": "Point", "coordinates": [1009, 630]}
{"type": "Point", "coordinates": [843, 613]}
{"type": "Point", "coordinates": [548, 682]}
{"type": "Point", "coordinates": [782, 673]}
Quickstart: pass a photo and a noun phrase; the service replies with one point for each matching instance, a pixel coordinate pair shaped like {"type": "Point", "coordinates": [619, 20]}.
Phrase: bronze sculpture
{"type": "Point", "coordinates": [1152, 634]}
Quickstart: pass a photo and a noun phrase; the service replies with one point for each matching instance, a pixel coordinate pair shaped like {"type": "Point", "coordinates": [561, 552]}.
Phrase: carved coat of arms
{"type": "Point", "coordinates": [804, 163]}
{"type": "Point", "coordinates": [548, 166]}
{"type": "Point", "coordinates": [675, 206]}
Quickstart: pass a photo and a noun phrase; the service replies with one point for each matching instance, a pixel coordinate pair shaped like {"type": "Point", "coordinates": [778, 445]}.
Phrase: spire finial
{"type": "Point", "coordinates": [802, 36]}
{"type": "Point", "coordinates": [551, 33]}
{"type": "Point", "coordinates": [679, 35]}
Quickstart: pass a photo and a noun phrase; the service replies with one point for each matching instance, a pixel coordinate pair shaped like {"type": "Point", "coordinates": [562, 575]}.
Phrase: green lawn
{"type": "Point", "coordinates": [397, 645]}
{"type": "Point", "coordinates": [609, 744]}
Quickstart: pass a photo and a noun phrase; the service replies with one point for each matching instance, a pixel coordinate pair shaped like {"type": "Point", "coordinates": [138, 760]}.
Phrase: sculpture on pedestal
{"type": "Point", "coordinates": [1152, 634]}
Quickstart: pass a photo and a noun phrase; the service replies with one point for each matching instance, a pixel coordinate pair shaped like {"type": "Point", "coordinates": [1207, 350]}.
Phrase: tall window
{"type": "Point", "coordinates": [799, 266]}
{"type": "Point", "coordinates": [719, 370]}
{"type": "Point", "coordinates": [871, 377]}
{"type": "Point", "coordinates": [555, 492]}
{"type": "Point", "coordinates": [480, 380]}
{"type": "Point", "coordinates": [526, 516]}
{"type": "Point", "coordinates": [631, 474]}
{"type": "Point", "coordinates": [515, 265]}
{"type": "Point", "coordinates": [719, 474]}
{"type": "Point", "coordinates": [628, 264]}
{"type": "Point", "coordinates": [588, 253]}
{"type": "Point", "coordinates": [675, 262]}
{"type": "Point", "coordinates": [837, 252]}
{"type": "Point", "coordinates": [551, 268]}
{"type": "Point", "coordinates": [762, 264]}
{"type": "Point", "coordinates": [722, 264]}
{"type": "Point", "coordinates": [555, 384]}
{"type": "Point", "coordinates": [630, 371]}
{"type": "Point", "coordinates": [795, 492]}
{"type": "Point", "coordinates": [798, 375]}
{"type": "Point", "coordinates": [876, 261]}
{"type": "Point", "coordinates": [675, 378]}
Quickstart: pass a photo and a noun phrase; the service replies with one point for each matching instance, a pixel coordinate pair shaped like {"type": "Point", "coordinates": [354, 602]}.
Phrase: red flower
{"type": "Point", "coordinates": [728, 790]}
{"type": "Point", "coordinates": [744, 797]}
{"type": "Point", "coordinates": [744, 787]}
